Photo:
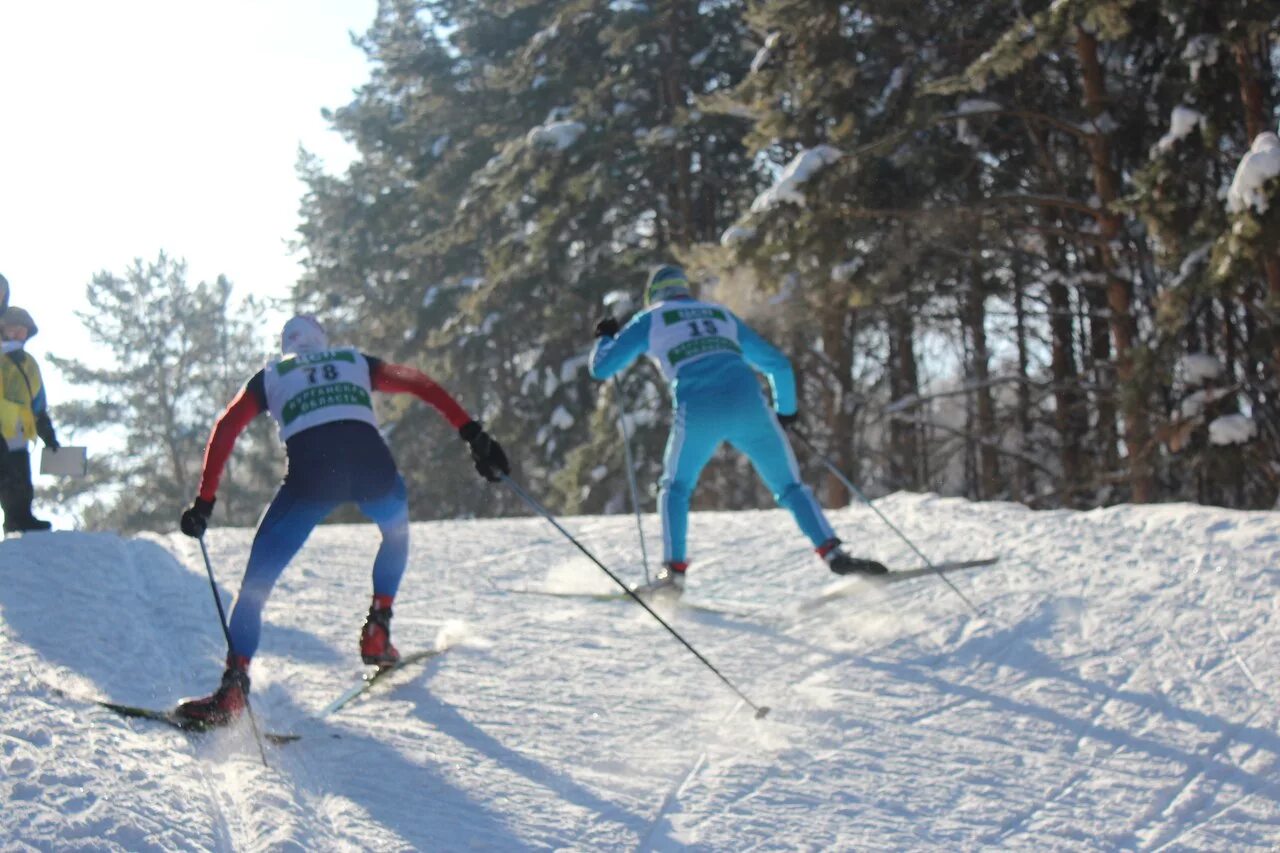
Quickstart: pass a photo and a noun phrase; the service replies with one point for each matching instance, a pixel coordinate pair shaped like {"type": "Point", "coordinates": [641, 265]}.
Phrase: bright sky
{"type": "Point", "coordinates": [127, 128]}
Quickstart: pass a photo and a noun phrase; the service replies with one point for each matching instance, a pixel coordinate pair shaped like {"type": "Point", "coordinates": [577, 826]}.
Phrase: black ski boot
{"type": "Point", "coordinates": [28, 524]}
{"type": "Point", "coordinates": [842, 564]}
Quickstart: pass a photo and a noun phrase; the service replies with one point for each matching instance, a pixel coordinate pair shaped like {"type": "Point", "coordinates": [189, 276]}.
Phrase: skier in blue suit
{"type": "Point", "coordinates": [707, 355]}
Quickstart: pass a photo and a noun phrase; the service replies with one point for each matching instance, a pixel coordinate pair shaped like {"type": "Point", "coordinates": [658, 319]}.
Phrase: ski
{"type": "Point", "coordinates": [847, 589]}
{"type": "Point", "coordinates": [166, 717]}
{"type": "Point", "coordinates": [681, 603]}
{"type": "Point", "coordinates": [369, 679]}
{"type": "Point", "coordinates": [180, 723]}
{"type": "Point", "coordinates": [947, 566]}
{"type": "Point", "coordinates": [894, 576]}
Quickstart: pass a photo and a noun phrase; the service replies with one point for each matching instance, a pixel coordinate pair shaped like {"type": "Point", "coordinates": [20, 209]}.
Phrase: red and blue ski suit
{"type": "Point", "coordinates": [335, 454]}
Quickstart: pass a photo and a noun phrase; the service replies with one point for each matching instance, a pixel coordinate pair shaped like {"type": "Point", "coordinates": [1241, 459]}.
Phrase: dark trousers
{"type": "Point", "coordinates": [16, 491]}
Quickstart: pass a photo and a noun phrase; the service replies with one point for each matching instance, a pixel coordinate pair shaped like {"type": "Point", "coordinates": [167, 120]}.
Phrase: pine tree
{"type": "Point", "coordinates": [1081, 27]}
{"type": "Point", "coordinates": [963, 220]}
{"type": "Point", "coordinates": [577, 154]}
{"type": "Point", "coordinates": [178, 354]}
{"type": "Point", "coordinates": [375, 271]}
{"type": "Point", "coordinates": [1217, 271]}
{"type": "Point", "coordinates": [863, 158]}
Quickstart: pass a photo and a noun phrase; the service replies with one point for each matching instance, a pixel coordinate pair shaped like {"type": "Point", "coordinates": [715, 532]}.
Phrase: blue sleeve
{"type": "Point", "coordinates": [770, 361]}
{"type": "Point", "coordinates": [611, 355]}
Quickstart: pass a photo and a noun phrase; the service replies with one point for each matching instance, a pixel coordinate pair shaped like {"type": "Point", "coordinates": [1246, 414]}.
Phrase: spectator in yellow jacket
{"type": "Point", "coordinates": [24, 416]}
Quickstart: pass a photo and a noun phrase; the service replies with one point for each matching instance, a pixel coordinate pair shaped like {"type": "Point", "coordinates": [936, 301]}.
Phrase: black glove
{"type": "Point", "coordinates": [788, 421]}
{"type": "Point", "coordinates": [44, 429]}
{"type": "Point", "coordinates": [607, 328]}
{"type": "Point", "coordinates": [196, 520]}
{"type": "Point", "coordinates": [485, 452]}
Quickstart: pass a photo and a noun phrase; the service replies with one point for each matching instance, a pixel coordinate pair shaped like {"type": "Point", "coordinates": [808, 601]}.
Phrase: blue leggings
{"type": "Point", "coordinates": [329, 465]}
{"type": "Point", "coordinates": [744, 419]}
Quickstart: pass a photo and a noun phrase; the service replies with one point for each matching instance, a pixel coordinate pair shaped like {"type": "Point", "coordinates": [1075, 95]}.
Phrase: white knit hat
{"type": "Point", "coordinates": [303, 334]}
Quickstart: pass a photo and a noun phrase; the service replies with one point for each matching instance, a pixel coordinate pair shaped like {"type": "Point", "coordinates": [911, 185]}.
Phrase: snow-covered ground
{"type": "Point", "coordinates": [1120, 691]}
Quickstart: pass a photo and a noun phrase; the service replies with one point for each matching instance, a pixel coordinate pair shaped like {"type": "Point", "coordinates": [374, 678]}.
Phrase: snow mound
{"type": "Point", "coordinates": [802, 167]}
{"type": "Point", "coordinates": [1182, 122]}
{"type": "Point", "coordinates": [736, 235]}
{"type": "Point", "coordinates": [1196, 402]}
{"type": "Point", "coordinates": [765, 53]}
{"type": "Point", "coordinates": [619, 303]}
{"type": "Point", "coordinates": [1116, 692]}
{"type": "Point", "coordinates": [1201, 50]}
{"type": "Point", "coordinates": [969, 106]}
{"type": "Point", "coordinates": [662, 136]}
{"type": "Point", "coordinates": [844, 272]}
{"type": "Point", "coordinates": [1196, 368]}
{"type": "Point", "coordinates": [561, 418]}
{"type": "Point", "coordinates": [1259, 165]}
{"type": "Point", "coordinates": [1232, 429]}
{"type": "Point", "coordinates": [556, 135]}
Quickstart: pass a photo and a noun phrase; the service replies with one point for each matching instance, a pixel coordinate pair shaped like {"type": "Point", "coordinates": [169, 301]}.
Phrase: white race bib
{"type": "Point", "coordinates": [310, 389]}
{"type": "Point", "coordinates": [683, 331]}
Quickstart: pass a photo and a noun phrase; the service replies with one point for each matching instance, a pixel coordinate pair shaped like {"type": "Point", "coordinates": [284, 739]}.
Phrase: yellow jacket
{"type": "Point", "coordinates": [21, 396]}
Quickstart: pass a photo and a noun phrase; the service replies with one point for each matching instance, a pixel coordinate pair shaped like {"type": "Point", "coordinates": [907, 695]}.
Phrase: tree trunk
{"type": "Point", "coordinates": [971, 440]}
{"type": "Point", "coordinates": [903, 382]}
{"type": "Point", "coordinates": [837, 342]}
{"type": "Point", "coordinates": [976, 320]}
{"type": "Point", "coordinates": [1023, 482]}
{"type": "Point", "coordinates": [1253, 99]}
{"type": "Point", "coordinates": [1093, 301]}
{"type": "Point", "coordinates": [1119, 289]}
{"type": "Point", "coordinates": [1251, 94]}
{"type": "Point", "coordinates": [1070, 410]}
{"type": "Point", "coordinates": [674, 87]}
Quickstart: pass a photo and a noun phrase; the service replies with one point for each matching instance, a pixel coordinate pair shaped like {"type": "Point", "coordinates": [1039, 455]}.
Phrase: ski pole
{"type": "Point", "coordinates": [213, 585]}
{"type": "Point", "coordinates": [631, 473]}
{"type": "Point", "coordinates": [831, 466]}
{"type": "Point", "coordinates": [760, 710]}
{"type": "Point", "coordinates": [226, 632]}
{"type": "Point", "coordinates": [618, 304]}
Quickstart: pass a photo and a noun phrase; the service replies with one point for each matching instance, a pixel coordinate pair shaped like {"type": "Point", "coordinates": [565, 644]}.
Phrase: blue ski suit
{"type": "Point", "coordinates": [707, 355]}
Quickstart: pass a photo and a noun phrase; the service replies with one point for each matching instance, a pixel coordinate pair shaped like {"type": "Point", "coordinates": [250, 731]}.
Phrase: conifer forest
{"type": "Point", "coordinates": [1015, 250]}
{"type": "Point", "coordinates": [1023, 251]}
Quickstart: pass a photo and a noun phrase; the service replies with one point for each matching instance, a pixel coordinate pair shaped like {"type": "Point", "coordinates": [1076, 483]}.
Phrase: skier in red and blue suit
{"type": "Point", "coordinates": [320, 396]}
{"type": "Point", "coordinates": [709, 357]}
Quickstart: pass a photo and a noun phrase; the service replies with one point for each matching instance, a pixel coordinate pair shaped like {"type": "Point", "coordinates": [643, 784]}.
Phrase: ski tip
{"type": "Point", "coordinates": [762, 711]}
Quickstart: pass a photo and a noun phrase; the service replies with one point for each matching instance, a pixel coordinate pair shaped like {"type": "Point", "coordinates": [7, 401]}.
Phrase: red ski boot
{"type": "Point", "coordinates": [223, 705]}
{"type": "Point", "coordinates": [375, 639]}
